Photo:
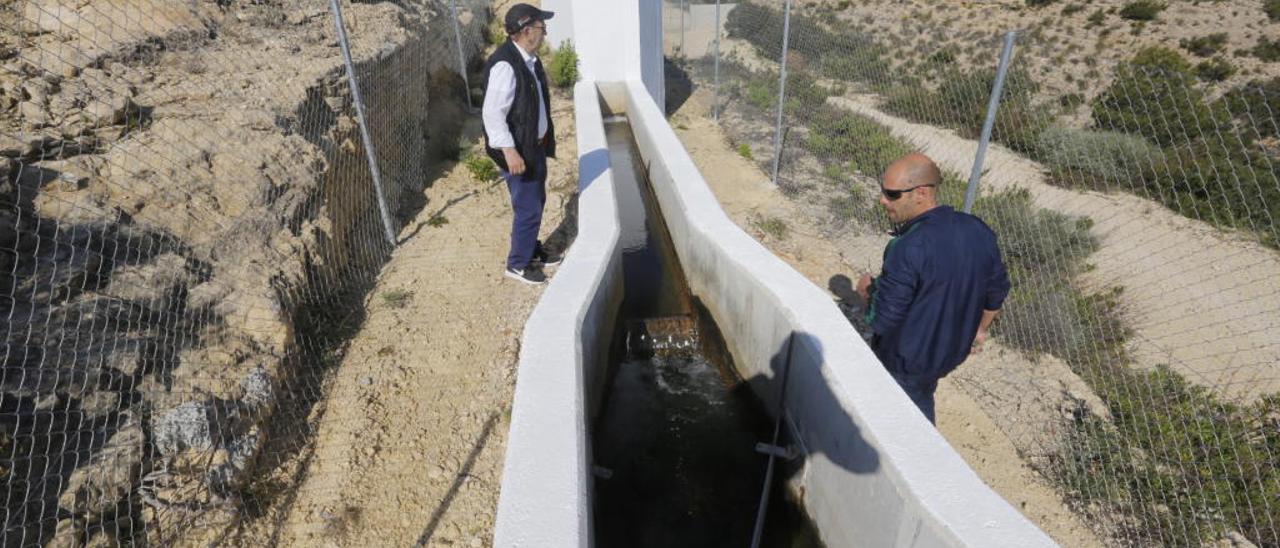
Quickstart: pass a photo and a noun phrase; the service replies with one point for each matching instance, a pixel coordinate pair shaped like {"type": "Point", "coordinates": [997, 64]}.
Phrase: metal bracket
{"type": "Point", "coordinates": [786, 453]}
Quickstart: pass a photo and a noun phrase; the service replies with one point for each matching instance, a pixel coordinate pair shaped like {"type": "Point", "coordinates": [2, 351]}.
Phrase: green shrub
{"type": "Point", "coordinates": [1097, 18]}
{"type": "Point", "coordinates": [1039, 3]}
{"type": "Point", "coordinates": [850, 55]}
{"type": "Point", "coordinates": [840, 136]}
{"type": "Point", "coordinates": [1102, 160]}
{"type": "Point", "coordinates": [1153, 95]}
{"type": "Point", "coordinates": [1070, 101]}
{"type": "Point", "coordinates": [773, 226]}
{"type": "Point", "coordinates": [1141, 10]}
{"type": "Point", "coordinates": [1215, 70]}
{"type": "Point", "coordinates": [481, 167]}
{"type": "Point", "coordinates": [1178, 466]}
{"type": "Point", "coordinates": [944, 56]}
{"type": "Point", "coordinates": [1205, 46]}
{"type": "Point", "coordinates": [1255, 107]}
{"type": "Point", "coordinates": [562, 70]}
{"type": "Point", "coordinates": [1267, 50]}
{"type": "Point", "coordinates": [1207, 180]}
{"type": "Point", "coordinates": [1072, 9]}
{"type": "Point", "coordinates": [744, 150]}
{"type": "Point", "coordinates": [1272, 9]}
{"type": "Point", "coordinates": [761, 93]}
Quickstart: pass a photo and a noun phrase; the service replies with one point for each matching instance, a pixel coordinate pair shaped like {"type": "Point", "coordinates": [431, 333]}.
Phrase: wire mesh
{"type": "Point", "coordinates": [1138, 221]}
{"type": "Point", "coordinates": [188, 229]}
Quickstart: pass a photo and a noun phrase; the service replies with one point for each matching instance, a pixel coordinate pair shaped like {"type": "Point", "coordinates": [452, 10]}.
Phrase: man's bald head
{"type": "Point", "coordinates": [914, 169]}
{"type": "Point", "coordinates": [910, 187]}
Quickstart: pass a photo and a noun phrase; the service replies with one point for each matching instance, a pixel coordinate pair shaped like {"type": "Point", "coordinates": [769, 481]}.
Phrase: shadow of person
{"type": "Point", "coordinates": [809, 403]}
{"type": "Point", "coordinates": [562, 237]}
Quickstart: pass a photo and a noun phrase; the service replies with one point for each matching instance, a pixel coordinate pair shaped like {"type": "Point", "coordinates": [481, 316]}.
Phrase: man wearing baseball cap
{"type": "Point", "coordinates": [519, 135]}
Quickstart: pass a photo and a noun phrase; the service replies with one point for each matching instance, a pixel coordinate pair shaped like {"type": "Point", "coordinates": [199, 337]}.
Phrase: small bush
{"type": "Point", "coordinates": [1101, 160]}
{"type": "Point", "coordinates": [744, 151]}
{"type": "Point", "coordinates": [563, 68]}
{"type": "Point", "coordinates": [1096, 18]}
{"type": "Point", "coordinates": [840, 136]}
{"type": "Point", "coordinates": [1205, 46]}
{"type": "Point", "coordinates": [1256, 109]}
{"type": "Point", "coordinates": [1267, 50]}
{"type": "Point", "coordinates": [1072, 9]}
{"type": "Point", "coordinates": [1039, 3]}
{"type": "Point", "coordinates": [772, 226]}
{"type": "Point", "coordinates": [1153, 95]}
{"type": "Point", "coordinates": [1141, 10]}
{"type": "Point", "coordinates": [1272, 9]}
{"type": "Point", "coordinates": [760, 93]}
{"type": "Point", "coordinates": [397, 298]}
{"type": "Point", "coordinates": [1070, 102]}
{"type": "Point", "coordinates": [481, 168]}
{"type": "Point", "coordinates": [1215, 70]}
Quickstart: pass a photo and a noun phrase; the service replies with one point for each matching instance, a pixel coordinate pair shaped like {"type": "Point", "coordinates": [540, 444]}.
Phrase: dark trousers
{"type": "Point", "coordinates": [921, 393]}
{"type": "Point", "coordinates": [528, 196]}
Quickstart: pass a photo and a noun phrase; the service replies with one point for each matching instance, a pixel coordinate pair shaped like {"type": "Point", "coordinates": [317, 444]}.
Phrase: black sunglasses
{"type": "Point", "coordinates": [893, 195]}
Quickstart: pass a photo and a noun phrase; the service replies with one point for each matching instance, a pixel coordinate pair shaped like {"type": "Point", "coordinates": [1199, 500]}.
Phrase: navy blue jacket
{"type": "Point", "coordinates": [941, 270]}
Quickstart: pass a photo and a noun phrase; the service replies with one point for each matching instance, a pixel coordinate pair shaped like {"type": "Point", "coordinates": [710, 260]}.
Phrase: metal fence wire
{"type": "Point", "coordinates": [189, 222]}
{"type": "Point", "coordinates": [1137, 212]}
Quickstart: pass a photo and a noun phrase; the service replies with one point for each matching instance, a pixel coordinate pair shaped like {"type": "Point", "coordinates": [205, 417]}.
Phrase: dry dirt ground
{"type": "Point", "coordinates": [820, 255]}
{"type": "Point", "coordinates": [412, 436]}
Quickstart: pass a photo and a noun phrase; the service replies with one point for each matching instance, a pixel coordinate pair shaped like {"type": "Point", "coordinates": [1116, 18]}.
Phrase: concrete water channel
{"type": "Point", "coordinates": [606, 450]}
{"type": "Point", "coordinates": [674, 442]}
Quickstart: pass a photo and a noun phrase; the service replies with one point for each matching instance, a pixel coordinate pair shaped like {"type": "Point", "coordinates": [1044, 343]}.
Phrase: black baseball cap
{"type": "Point", "coordinates": [523, 15]}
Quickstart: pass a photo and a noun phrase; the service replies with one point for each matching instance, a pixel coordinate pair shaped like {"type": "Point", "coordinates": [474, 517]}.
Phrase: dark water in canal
{"type": "Point", "coordinates": [677, 429]}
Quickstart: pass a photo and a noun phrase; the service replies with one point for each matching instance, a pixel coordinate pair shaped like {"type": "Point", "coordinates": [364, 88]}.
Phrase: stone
{"type": "Point", "coordinates": [100, 485]}
{"type": "Point", "coordinates": [100, 404]}
{"type": "Point", "coordinates": [69, 533]}
{"type": "Point", "coordinates": [185, 426]}
{"type": "Point", "coordinates": [33, 114]}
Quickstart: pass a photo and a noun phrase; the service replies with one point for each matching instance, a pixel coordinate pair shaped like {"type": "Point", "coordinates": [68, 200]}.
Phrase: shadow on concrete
{"type": "Point", "coordinates": [798, 381]}
{"type": "Point", "coordinates": [591, 166]}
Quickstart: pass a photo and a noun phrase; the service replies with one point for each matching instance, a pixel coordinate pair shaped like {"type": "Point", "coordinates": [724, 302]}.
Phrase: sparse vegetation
{"type": "Point", "coordinates": [1272, 9]}
{"type": "Point", "coordinates": [1215, 70]}
{"type": "Point", "coordinates": [774, 227]}
{"type": "Point", "coordinates": [1267, 50]}
{"type": "Point", "coordinates": [1142, 10]}
{"type": "Point", "coordinates": [1096, 18]}
{"type": "Point", "coordinates": [1204, 46]}
{"type": "Point", "coordinates": [397, 298]}
{"type": "Point", "coordinates": [744, 150]}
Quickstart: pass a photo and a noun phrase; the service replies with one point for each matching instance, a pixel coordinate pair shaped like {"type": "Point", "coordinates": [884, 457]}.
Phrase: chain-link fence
{"type": "Point", "coordinates": [1138, 212]}
{"type": "Point", "coordinates": [195, 197]}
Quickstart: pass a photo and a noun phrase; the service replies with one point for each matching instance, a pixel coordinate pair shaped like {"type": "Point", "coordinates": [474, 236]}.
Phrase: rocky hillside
{"type": "Point", "coordinates": [185, 208]}
{"type": "Point", "coordinates": [1071, 46]}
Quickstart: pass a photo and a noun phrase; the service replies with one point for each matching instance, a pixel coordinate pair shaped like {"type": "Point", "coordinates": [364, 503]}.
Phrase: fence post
{"type": "Point", "coordinates": [782, 92]}
{"type": "Point", "coordinates": [462, 57]}
{"type": "Point", "coordinates": [715, 103]}
{"type": "Point", "coordinates": [683, 53]}
{"type": "Point", "coordinates": [971, 193]}
{"type": "Point", "coordinates": [360, 118]}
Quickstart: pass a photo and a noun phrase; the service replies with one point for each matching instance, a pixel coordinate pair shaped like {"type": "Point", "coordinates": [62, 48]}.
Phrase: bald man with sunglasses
{"type": "Point", "coordinates": [942, 284]}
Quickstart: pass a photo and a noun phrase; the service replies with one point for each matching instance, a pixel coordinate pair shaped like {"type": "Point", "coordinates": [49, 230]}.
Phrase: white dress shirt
{"type": "Point", "coordinates": [500, 94]}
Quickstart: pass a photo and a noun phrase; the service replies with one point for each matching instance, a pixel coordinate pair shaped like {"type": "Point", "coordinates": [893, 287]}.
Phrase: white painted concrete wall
{"type": "Point", "coordinates": [616, 40]}
{"type": "Point", "coordinates": [877, 474]}
{"type": "Point", "coordinates": [546, 484]}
